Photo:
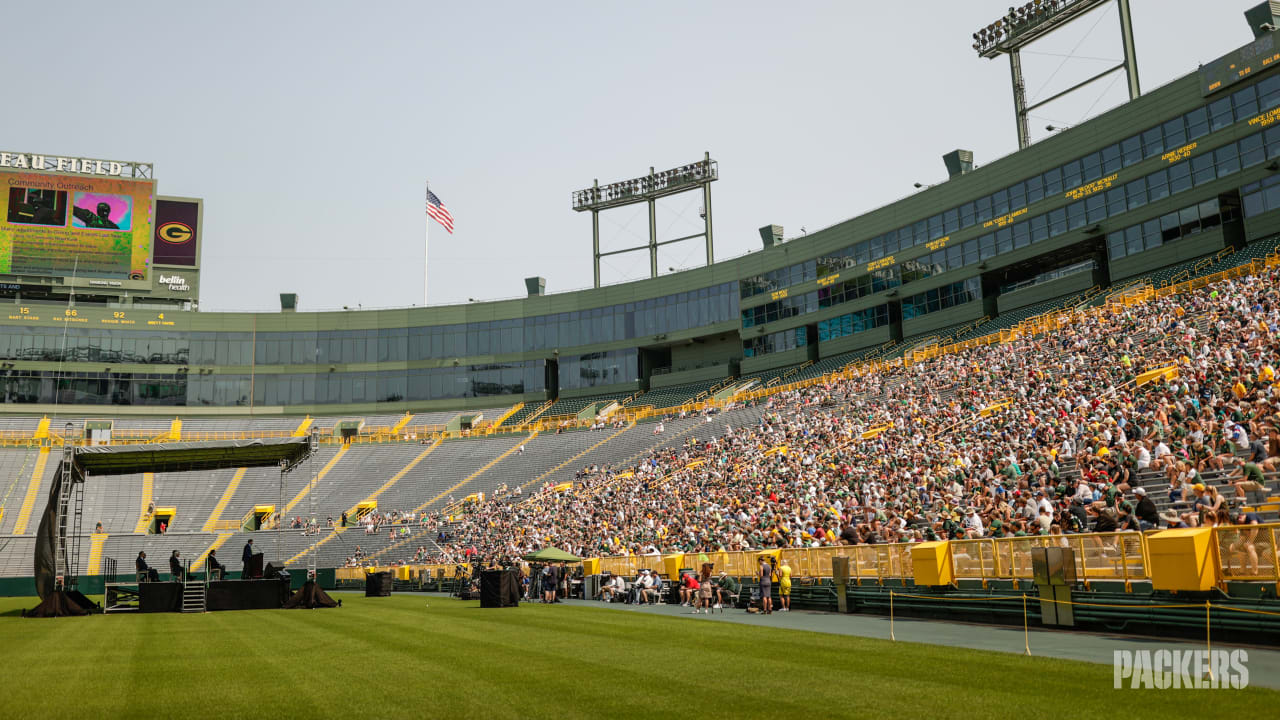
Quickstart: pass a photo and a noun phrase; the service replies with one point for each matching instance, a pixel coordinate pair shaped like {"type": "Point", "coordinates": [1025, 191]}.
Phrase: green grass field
{"type": "Point", "coordinates": [434, 657]}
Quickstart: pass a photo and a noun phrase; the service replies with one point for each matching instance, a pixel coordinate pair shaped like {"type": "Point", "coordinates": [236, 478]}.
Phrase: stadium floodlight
{"type": "Point", "coordinates": [1027, 23]}
{"type": "Point", "coordinates": [648, 189]}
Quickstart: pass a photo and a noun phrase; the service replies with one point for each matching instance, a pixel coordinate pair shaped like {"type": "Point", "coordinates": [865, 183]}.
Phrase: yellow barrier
{"type": "Point", "coordinates": [1247, 552]}
{"type": "Point", "coordinates": [1099, 556]}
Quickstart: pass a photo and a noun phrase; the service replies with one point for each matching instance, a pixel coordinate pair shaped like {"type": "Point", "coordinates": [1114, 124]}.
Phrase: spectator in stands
{"type": "Point", "coordinates": [1145, 510]}
{"type": "Point", "coordinates": [1246, 478]}
{"type": "Point", "coordinates": [1245, 542]}
{"type": "Point", "coordinates": [146, 571]}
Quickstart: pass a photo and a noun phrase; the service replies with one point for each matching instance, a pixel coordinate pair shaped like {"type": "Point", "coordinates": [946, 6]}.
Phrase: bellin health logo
{"type": "Point", "coordinates": [1175, 669]}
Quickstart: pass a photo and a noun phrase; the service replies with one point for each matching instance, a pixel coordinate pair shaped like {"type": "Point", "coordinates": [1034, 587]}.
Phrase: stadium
{"type": "Point", "coordinates": [1020, 426]}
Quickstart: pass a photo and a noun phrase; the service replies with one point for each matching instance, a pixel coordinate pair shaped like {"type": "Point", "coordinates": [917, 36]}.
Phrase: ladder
{"type": "Point", "coordinates": [70, 509]}
{"type": "Point", "coordinates": [193, 596]}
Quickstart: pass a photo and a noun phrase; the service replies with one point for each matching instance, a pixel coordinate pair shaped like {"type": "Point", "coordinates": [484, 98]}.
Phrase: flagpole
{"type": "Point", "coordinates": [426, 237]}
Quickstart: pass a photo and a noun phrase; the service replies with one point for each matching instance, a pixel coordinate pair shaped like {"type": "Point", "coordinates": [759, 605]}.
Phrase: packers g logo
{"type": "Point", "coordinates": [175, 232]}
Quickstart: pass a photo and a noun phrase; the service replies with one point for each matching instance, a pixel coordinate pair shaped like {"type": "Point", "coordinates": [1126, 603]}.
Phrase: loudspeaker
{"type": "Point", "coordinates": [377, 584]}
{"type": "Point", "coordinates": [274, 571]}
{"type": "Point", "coordinates": [499, 588]}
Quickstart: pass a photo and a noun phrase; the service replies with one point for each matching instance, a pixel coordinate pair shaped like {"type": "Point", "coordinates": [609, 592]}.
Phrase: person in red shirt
{"type": "Point", "coordinates": [688, 589]}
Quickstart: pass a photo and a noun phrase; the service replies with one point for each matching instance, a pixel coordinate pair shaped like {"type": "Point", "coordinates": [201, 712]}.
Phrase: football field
{"type": "Point", "coordinates": [436, 657]}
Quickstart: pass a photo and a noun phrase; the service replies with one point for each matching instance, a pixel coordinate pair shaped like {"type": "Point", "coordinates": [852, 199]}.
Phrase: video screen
{"type": "Point", "coordinates": [65, 225]}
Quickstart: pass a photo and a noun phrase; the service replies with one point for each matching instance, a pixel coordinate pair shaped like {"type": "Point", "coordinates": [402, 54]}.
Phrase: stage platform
{"type": "Point", "coordinates": [153, 597]}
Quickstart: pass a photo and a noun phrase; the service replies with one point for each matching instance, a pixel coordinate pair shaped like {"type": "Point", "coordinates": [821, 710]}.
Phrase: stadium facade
{"type": "Point", "coordinates": [1179, 174]}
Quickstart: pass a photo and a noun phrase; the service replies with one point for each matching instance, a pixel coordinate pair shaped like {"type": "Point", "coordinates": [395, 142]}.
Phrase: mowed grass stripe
{"type": "Point", "coordinates": [427, 656]}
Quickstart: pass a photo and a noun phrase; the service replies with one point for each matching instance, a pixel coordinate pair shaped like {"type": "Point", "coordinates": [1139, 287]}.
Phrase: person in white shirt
{"type": "Point", "coordinates": [973, 523]}
{"type": "Point", "coordinates": [1144, 457]}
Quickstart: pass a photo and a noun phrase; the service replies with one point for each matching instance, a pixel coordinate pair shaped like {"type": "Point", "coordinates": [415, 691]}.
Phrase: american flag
{"type": "Point", "coordinates": [437, 210]}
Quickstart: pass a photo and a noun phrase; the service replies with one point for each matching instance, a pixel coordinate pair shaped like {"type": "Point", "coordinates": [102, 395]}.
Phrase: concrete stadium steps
{"type": "Point", "coordinates": [676, 395]}
{"type": "Point", "coordinates": [540, 455]}
{"type": "Point", "coordinates": [17, 555]}
{"type": "Point", "coordinates": [261, 485]}
{"type": "Point", "coordinates": [19, 424]}
{"type": "Point", "coordinates": [214, 518]}
{"type": "Point", "coordinates": [566, 468]}
{"type": "Point", "coordinates": [147, 499]}
{"type": "Point", "coordinates": [16, 466]}
{"type": "Point", "coordinates": [193, 495]}
{"type": "Point", "coordinates": [113, 500]}
{"type": "Point", "coordinates": [445, 467]}
{"type": "Point", "coordinates": [572, 406]}
{"type": "Point", "coordinates": [93, 564]}
{"type": "Point", "coordinates": [32, 501]}
{"type": "Point", "coordinates": [361, 472]}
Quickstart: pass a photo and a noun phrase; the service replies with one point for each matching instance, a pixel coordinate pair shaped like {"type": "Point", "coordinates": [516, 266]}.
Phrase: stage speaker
{"type": "Point", "coordinates": [499, 588]}
{"type": "Point", "coordinates": [254, 567]}
{"type": "Point", "coordinates": [274, 571]}
{"type": "Point", "coordinates": [377, 584]}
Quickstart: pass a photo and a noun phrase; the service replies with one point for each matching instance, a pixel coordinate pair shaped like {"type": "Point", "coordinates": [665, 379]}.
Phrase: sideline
{"type": "Point", "coordinates": [1264, 664]}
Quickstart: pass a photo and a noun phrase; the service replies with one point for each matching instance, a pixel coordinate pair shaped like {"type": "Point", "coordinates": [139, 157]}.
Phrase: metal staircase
{"type": "Point", "coordinates": [193, 592]}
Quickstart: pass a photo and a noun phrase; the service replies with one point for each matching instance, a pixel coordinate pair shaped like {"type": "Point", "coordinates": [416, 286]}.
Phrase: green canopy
{"type": "Point", "coordinates": [552, 554]}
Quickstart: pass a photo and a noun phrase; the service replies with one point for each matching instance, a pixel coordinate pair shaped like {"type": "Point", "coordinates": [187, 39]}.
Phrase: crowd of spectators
{"type": "Point", "coordinates": [1046, 434]}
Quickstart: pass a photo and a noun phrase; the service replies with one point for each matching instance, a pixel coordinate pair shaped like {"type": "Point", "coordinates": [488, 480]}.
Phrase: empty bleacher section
{"type": "Point", "coordinates": [16, 465]}
{"type": "Point", "coordinates": [569, 407]}
{"type": "Point", "coordinates": [114, 501]}
{"type": "Point", "coordinates": [677, 395]}
{"type": "Point", "coordinates": [525, 414]}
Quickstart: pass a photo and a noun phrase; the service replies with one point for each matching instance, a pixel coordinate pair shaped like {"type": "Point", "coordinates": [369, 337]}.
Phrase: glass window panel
{"type": "Point", "coordinates": [1111, 159]}
{"type": "Point", "coordinates": [1251, 152]}
{"type": "Point", "coordinates": [1197, 123]}
{"type": "Point", "coordinates": [1175, 133]}
{"type": "Point", "coordinates": [1131, 148]}
{"type": "Point", "coordinates": [1245, 102]}
{"type": "Point", "coordinates": [1220, 114]}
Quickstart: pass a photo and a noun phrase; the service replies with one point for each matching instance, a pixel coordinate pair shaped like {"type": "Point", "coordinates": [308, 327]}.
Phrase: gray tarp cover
{"type": "Point", "coordinates": [182, 456]}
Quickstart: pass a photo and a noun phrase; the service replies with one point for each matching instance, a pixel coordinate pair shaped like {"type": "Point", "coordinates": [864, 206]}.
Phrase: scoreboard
{"type": "Point", "coordinates": [94, 317]}
{"type": "Point", "coordinates": [1238, 65]}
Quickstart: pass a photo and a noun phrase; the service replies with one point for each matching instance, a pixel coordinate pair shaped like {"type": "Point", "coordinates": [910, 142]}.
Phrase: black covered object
{"type": "Point", "coordinates": [377, 584]}
{"type": "Point", "coordinates": [159, 597]}
{"type": "Point", "coordinates": [247, 594]}
{"type": "Point", "coordinates": [47, 541]}
{"type": "Point", "coordinates": [310, 595]}
{"type": "Point", "coordinates": [62, 604]}
{"type": "Point", "coordinates": [499, 588]}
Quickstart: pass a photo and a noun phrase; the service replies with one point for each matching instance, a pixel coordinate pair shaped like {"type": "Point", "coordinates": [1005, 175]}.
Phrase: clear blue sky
{"type": "Point", "coordinates": [309, 128]}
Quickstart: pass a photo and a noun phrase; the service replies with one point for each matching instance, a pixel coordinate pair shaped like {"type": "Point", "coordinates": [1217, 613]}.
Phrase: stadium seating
{"type": "Point", "coordinates": [572, 406]}
{"type": "Point", "coordinates": [676, 395]}
{"type": "Point", "coordinates": [413, 482]}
